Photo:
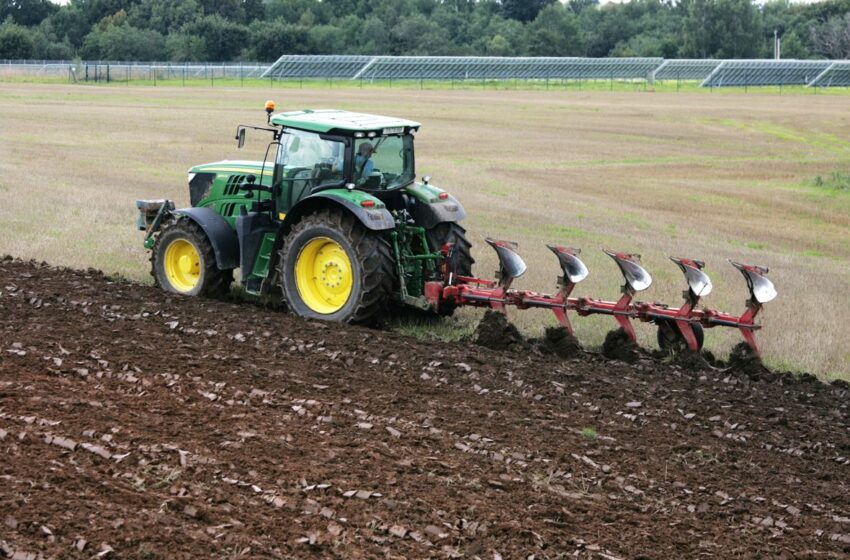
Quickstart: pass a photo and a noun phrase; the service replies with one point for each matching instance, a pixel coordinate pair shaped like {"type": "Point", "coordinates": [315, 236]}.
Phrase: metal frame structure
{"type": "Point", "coordinates": [730, 73]}
{"type": "Point", "coordinates": [710, 73]}
{"type": "Point", "coordinates": [836, 74]}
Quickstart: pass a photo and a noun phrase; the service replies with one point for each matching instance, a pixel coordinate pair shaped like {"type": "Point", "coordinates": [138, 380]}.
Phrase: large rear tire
{"type": "Point", "coordinates": [452, 232]}
{"type": "Point", "coordinates": [331, 267]}
{"type": "Point", "coordinates": [183, 262]}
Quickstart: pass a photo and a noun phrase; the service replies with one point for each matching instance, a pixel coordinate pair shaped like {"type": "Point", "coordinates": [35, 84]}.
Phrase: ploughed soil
{"type": "Point", "coordinates": [134, 424]}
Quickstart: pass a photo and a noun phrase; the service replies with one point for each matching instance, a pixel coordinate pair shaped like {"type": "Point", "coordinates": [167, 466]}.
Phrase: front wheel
{"type": "Point", "coordinates": [671, 339]}
{"type": "Point", "coordinates": [183, 262]}
{"type": "Point", "coordinates": [331, 267]}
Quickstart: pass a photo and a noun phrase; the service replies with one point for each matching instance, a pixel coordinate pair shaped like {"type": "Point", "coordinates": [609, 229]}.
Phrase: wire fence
{"type": "Point", "coordinates": [533, 72]}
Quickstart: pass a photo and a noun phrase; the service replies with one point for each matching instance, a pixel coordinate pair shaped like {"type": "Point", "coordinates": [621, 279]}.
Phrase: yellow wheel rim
{"type": "Point", "coordinates": [182, 265]}
{"type": "Point", "coordinates": [323, 275]}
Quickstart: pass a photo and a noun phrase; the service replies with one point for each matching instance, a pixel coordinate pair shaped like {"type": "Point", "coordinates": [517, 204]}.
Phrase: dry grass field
{"type": "Point", "coordinates": [711, 176]}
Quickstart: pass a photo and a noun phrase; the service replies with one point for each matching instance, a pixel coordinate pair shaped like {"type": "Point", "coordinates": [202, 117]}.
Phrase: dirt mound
{"type": "Point", "coordinates": [495, 332]}
{"type": "Point", "coordinates": [618, 346]}
{"type": "Point", "coordinates": [557, 341]}
{"type": "Point", "coordinates": [135, 424]}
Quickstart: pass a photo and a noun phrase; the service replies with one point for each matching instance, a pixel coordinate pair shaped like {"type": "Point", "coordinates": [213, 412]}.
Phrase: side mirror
{"type": "Point", "coordinates": [240, 138]}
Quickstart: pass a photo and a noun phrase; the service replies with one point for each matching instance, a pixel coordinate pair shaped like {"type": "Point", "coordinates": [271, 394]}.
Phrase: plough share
{"type": "Point", "coordinates": [678, 327]}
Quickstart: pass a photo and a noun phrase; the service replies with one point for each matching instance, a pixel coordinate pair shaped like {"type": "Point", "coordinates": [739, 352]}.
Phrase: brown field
{"type": "Point", "coordinates": [705, 175]}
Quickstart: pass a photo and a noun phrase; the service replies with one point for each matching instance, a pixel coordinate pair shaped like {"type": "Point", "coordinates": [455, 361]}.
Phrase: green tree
{"type": "Point", "coordinates": [721, 29]}
{"type": "Point", "coordinates": [524, 10]}
{"type": "Point", "coordinates": [164, 15]}
{"type": "Point", "coordinates": [373, 37]}
{"type": "Point", "coordinates": [122, 41]}
{"type": "Point", "coordinates": [15, 41]}
{"type": "Point", "coordinates": [499, 46]}
{"type": "Point", "coordinates": [26, 12]}
{"type": "Point", "coordinates": [185, 48]}
{"type": "Point", "coordinates": [70, 24]}
{"type": "Point", "coordinates": [270, 39]}
{"type": "Point", "coordinates": [419, 35]}
{"type": "Point", "coordinates": [47, 45]}
{"type": "Point", "coordinates": [555, 32]}
{"type": "Point", "coordinates": [224, 39]}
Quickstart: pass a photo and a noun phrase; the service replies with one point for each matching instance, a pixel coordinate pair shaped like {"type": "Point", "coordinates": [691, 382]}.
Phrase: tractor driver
{"type": "Point", "coordinates": [363, 164]}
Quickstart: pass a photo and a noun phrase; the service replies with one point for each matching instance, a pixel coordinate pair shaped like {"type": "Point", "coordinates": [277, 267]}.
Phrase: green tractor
{"type": "Point", "coordinates": [333, 220]}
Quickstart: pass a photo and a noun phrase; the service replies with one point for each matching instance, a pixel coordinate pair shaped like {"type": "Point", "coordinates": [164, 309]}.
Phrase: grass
{"type": "Point", "coordinates": [836, 181]}
{"type": "Point", "coordinates": [575, 85]}
{"type": "Point", "coordinates": [589, 434]}
{"type": "Point", "coordinates": [706, 175]}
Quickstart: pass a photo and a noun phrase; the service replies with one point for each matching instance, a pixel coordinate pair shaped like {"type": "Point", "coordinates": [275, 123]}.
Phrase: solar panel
{"type": "Point", "coordinates": [713, 73]}
{"type": "Point", "coordinates": [685, 69]}
{"type": "Point", "coordinates": [316, 66]}
{"type": "Point", "coordinates": [462, 68]}
{"type": "Point", "coordinates": [836, 74]}
{"type": "Point", "coordinates": [765, 72]}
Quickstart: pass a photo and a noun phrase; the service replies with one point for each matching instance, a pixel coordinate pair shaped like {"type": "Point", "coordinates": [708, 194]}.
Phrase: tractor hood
{"type": "Point", "coordinates": [241, 167]}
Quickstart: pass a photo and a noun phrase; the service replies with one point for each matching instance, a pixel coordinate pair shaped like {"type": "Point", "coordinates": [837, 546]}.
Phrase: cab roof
{"type": "Point", "coordinates": [340, 122]}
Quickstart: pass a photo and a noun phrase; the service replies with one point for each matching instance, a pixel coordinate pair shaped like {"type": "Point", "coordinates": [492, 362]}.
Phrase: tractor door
{"type": "Point", "coordinates": [307, 162]}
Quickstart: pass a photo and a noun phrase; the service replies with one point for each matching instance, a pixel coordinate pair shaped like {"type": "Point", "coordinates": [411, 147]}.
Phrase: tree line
{"type": "Point", "coordinates": [262, 30]}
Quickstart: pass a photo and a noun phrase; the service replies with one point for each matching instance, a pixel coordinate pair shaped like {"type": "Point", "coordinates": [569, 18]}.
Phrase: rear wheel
{"type": "Point", "coordinates": [331, 267]}
{"type": "Point", "coordinates": [183, 262]}
{"type": "Point", "coordinates": [452, 232]}
{"type": "Point", "coordinates": [671, 339]}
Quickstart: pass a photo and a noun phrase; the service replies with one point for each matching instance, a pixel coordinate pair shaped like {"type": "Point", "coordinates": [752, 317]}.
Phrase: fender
{"type": "Point", "coordinates": [431, 210]}
{"type": "Point", "coordinates": [376, 218]}
{"type": "Point", "coordinates": [222, 237]}
{"type": "Point", "coordinates": [429, 215]}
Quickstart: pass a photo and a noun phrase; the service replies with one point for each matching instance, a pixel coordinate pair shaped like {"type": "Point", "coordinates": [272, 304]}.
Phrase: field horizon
{"type": "Point", "coordinates": [758, 178]}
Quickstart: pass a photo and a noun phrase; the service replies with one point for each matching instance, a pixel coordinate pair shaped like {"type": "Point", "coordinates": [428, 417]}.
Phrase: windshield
{"type": "Point", "coordinates": [383, 163]}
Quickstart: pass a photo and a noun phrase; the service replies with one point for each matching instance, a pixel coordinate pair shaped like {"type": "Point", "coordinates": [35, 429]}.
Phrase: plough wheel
{"type": "Point", "coordinates": [452, 232]}
{"type": "Point", "coordinates": [670, 338]}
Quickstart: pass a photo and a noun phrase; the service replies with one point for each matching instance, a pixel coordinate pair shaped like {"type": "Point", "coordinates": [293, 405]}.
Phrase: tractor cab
{"type": "Point", "coordinates": [330, 149]}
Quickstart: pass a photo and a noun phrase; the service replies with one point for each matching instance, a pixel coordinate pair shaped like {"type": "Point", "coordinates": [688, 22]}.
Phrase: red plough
{"type": "Point", "coordinates": [677, 326]}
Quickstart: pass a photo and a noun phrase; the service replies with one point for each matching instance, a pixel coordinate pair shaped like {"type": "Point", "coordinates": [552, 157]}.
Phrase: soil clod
{"type": "Point", "coordinates": [742, 359]}
{"type": "Point", "coordinates": [494, 331]}
{"type": "Point", "coordinates": [557, 341]}
{"type": "Point", "coordinates": [618, 346]}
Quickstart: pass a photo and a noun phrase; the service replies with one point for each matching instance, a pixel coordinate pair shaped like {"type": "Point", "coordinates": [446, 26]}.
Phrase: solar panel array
{"type": "Point", "coordinates": [501, 68]}
{"type": "Point", "coordinates": [765, 73]}
{"type": "Point", "coordinates": [460, 68]}
{"type": "Point", "coordinates": [317, 66]}
{"type": "Point", "coordinates": [712, 73]}
{"type": "Point", "coordinates": [837, 74]}
{"type": "Point", "coordinates": [685, 69]}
